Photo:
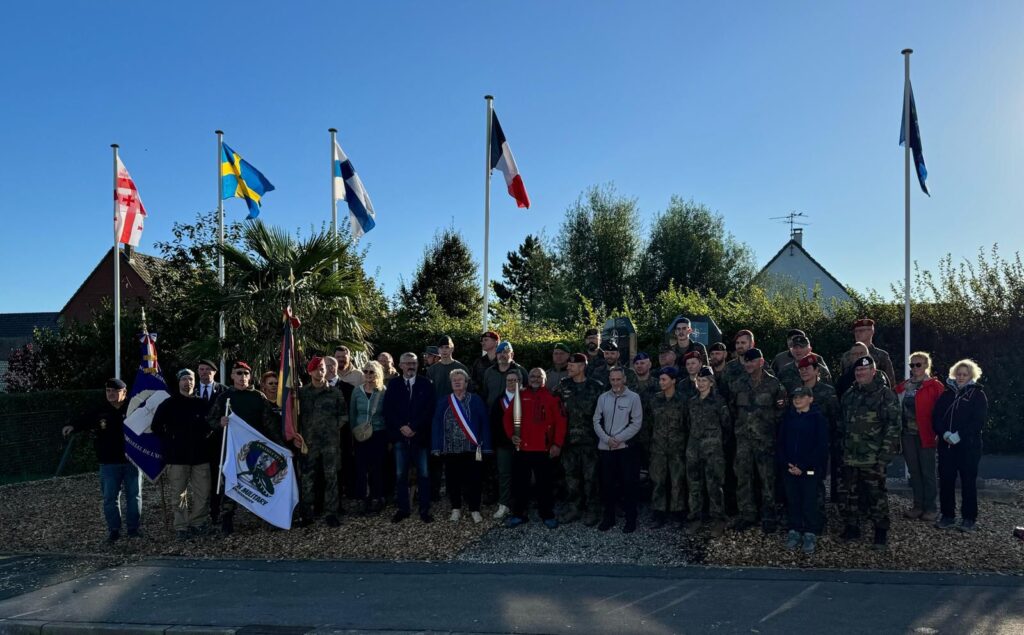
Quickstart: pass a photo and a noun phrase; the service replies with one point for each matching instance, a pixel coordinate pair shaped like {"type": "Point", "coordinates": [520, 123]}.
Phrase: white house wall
{"type": "Point", "coordinates": [794, 265]}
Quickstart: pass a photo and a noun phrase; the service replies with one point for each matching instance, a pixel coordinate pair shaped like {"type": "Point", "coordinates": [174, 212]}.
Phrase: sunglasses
{"type": "Point", "coordinates": [916, 364]}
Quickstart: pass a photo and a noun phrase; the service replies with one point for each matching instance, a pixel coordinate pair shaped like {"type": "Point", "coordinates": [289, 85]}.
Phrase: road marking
{"type": "Point", "coordinates": [644, 598]}
{"type": "Point", "coordinates": [610, 597]}
{"type": "Point", "coordinates": [791, 602]}
{"type": "Point", "coordinates": [24, 614]}
{"type": "Point", "coordinates": [682, 598]}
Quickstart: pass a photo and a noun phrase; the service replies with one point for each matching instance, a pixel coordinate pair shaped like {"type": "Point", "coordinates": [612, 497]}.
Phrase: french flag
{"type": "Point", "coordinates": [502, 159]}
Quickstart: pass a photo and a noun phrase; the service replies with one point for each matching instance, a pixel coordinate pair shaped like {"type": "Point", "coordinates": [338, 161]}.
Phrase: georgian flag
{"type": "Point", "coordinates": [360, 208]}
{"type": "Point", "coordinates": [502, 159]}
{"type": "Point", "coordinates": [130, 211]}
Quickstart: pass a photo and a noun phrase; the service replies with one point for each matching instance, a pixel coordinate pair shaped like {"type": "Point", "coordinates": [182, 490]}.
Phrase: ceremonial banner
{"type": "Point", "coordinates": [287, 381]}
{"type": "Point", "coordinates": [348, 187]}
{"type": "Point", "coordinates": [915, 140]}
{"type": "Point", "coordinates": [259, 474]}
{"type": "Point", "coordinates": [148, 390]}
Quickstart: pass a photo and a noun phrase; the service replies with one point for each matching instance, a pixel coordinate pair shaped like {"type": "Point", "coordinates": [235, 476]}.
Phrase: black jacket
{"type": "Point", "coordinates": [180, 422]}
{"type": "Point", "coordinates": [497, 415]}
{"type": "Point", "coordinates": [961, 410]}
{"type": "Point", "coordinates": [803, 441]}
{"type": "Point", "coordinates": [417, 412]}
{"type": "Point", "coordinates": [107, 422]}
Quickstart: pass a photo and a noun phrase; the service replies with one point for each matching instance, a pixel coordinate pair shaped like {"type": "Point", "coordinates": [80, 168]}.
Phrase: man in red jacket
{"type": "Point", "coordinates": [538, 441]}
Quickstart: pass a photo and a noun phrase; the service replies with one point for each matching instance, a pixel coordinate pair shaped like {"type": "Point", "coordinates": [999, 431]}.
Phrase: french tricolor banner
{"type": "Point", "coordinates": [130, 211]}
{"type": "Point", "coordinates": [502, 159]}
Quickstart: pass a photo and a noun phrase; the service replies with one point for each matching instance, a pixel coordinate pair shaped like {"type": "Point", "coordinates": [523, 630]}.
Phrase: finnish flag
{"type": "Point", "coordinates": [349, 188]}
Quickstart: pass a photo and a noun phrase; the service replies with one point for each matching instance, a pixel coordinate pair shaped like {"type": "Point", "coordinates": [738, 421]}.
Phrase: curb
{"type": "Point", "coordinates": [39, 627]}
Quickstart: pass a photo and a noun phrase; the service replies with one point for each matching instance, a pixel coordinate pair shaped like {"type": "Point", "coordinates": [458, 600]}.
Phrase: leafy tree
{"type": "Point", "coordinates": [689, 244]}
{"type": "Point", "coordinates": [446, 278]}
{"type": "Point", "coordinates": [599, 245]}
{"type": "Point", "coordinates": [529, 279]}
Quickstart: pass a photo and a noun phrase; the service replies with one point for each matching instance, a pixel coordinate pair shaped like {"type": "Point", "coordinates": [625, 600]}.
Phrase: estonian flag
{"type": "Point", "coordinates": [349, 187]}
{"type": "Point", "coordinates": [501, 159]}
{"type": "Point", "coordinates": [915, 140]}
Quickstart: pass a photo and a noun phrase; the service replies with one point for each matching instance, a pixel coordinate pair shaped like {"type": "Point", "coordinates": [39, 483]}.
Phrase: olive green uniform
{"type": "Point", "coordinates": [882, 362]}
{"type": "Point", "coordinates": [871, 432]}
{"type": "Point", "coordinates": [579, 456]}
{"type": "Point", "coordinates": [321, 417]}
{"type": "Point", "coordinates": [667, 418]}
{"type": "Point", "coordinates": [758, 411]}
{"type": "Point", "coordinates": [709, 421]}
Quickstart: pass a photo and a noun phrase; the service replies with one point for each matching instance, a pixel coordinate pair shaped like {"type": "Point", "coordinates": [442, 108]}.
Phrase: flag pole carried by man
{"type": "Point", "coordinates": [499, 157]}
{"type": "Point", "coordinates": [910, 139]}
{"type": "Point", "coordinates": [129, 215]}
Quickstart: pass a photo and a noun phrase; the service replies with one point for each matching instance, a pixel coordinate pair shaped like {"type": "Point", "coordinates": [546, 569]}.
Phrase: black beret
{"type": "Point", "coordinates": [208, 363]}
{"type": "Point", "coordinates": [609, 345]}
{"type": "Point", "coordinates": [867, 360]}
{"type": "Point", "coordinates": [752, 354]}
{"type": "Point", "coordinates": [794, 332]}
{"type": "Point", "coordinates": [114, 382]}
{"type": "Point", "coordinates": [591, 332]}
{"type": "Point", "coordinates": [801, 340]}
{"type": "Point", "coordinates": [671, 371]}
{"type": "Point", "coordinates": [445, 340]}
{"type": "Point", "coordinates": [706, 371]}
{"type": "Point", "coordinates": [717, 346]}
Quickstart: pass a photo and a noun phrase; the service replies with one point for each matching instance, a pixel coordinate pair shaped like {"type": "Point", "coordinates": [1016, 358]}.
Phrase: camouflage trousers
{"type": "Point", "coordinates": [581, 474]}
{"type": "Point", "coordinates": [705, 469]}
{"type": "Point", "coordinates": [867, 483]}
{"type": "Point", "coordinates": [668, 475]}
{"type": "Point", "coordinates": [326, 457]}
{"type": "Point", "coordinates": [755, 459]}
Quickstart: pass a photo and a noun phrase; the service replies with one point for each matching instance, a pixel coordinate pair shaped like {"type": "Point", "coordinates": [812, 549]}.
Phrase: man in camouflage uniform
{"type": "Point", "coordinates": [717, 357]}
{"type": "Point", "coordinates": [559, 360]}
{"type": "Point", "coordinates": [646, 386]}
{"type": "Point", "coordinates": [789, 374]}
{"type": "Point", "coordinates": [827, 401]}
{"type": "Point", "coordinates": [743, 341]}
{"type": "Point", "coordinates": [610, 350]}
{"type": "Point", "coordinates": [864, 331]}
{"type": "Point", "coordinates": [595, 358]}
{"type": "Point", "coordinates": [871, 433]}
{"type": "Point", "coordinates": [708, 421]}
{"type": "Point", "coordinates": [251, 406]}
{"type": "Point", "coordinates": [785, 357]}
{"type": "Point", "coordinates": [759, 399]}
{"type": "Point", "coordinates": [682, 330]}
{"type": "Point", "coordinates": [688, 377]}
{"type": "Point", "coordinates": [667, 356]}
{"type": "Point", "coordinates": [665, 413]}
{"type": "Point", "coordinates": [321, 412]}
{"type": "Point", "coordinates": [578, 394]}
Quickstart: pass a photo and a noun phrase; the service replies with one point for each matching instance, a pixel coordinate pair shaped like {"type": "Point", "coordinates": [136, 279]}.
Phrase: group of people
{"type": "Point", "coordinates": [707, 428]}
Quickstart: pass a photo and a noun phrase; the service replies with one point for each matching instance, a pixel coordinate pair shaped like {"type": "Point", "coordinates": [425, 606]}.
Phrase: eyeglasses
{"type": "Point", "coordinates": [916, 364]}
{"type": "Point", "coordinates": [240, 373]}
{"type": "Point", "coordinates": [369, 372]}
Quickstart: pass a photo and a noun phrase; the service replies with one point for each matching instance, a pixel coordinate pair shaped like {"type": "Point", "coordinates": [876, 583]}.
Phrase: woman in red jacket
{"type": "Point", "coordinates": [917, 400]}
{"type": "Point", "coordinates": [538, 442]}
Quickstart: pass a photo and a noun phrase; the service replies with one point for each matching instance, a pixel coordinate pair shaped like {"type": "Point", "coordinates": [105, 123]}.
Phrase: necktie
{"type": "Point", "coordinates": [206, 393]}
{"type": "Point", "coordinates": [408, 387]}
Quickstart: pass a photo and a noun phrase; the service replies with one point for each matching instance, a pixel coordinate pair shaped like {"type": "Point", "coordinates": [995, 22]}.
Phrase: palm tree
{"type": "Point", "coordinates": [270, 270]}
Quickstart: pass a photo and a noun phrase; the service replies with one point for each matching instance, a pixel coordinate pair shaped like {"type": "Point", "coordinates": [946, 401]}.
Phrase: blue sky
{"type": "Point", "coordinates": [754, 109]}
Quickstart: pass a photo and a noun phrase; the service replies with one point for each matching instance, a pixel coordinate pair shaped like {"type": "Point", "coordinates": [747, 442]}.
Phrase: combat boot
{"type": "Point", "coordinates": [693, 526]}
{"type": "Point", "coordinates": [717, 528]}
{"type": "Point", "coordinates": [881, 539]}
{"type": "Point", "coordinates": [591, 518]}
{"type": "Point", "coordinates": [851, 533]}
{"type": "Point", "coordinates": [570, 515]}
{"type": "Point", "coordinates": [227, 524]}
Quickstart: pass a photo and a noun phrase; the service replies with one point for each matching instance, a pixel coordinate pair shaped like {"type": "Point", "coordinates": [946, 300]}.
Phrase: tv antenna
{"type": "Point", "coordinates": [791, 220]}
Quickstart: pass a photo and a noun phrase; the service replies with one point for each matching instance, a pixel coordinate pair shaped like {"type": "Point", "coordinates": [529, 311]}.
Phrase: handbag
{"type": "Point", "coordinates": [364, 431]}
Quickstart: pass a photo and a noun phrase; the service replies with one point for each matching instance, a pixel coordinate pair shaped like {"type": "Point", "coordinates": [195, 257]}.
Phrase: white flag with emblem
{"type": "Point", "coordinates": [259, 474]}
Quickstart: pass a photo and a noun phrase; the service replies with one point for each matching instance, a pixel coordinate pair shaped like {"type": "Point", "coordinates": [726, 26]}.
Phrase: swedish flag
{"type": "Point", "coordinates": [240, 180]}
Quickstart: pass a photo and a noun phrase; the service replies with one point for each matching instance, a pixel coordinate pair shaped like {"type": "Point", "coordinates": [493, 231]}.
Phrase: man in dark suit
{"type": "Point", "coordinates": [408, 410]}
{"type": "Point", "coordinates": [208, 389]}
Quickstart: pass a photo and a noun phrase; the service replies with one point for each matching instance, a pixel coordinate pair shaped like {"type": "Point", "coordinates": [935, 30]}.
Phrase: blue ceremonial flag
{"type": "Point", "coordinates": [349, 187]}
{"type": "Point", "coordinates": [915, 140]}
{"type": "Point", "coordinates": [142, 447]}
{"type": "Point", "coordinates": [240, 180]}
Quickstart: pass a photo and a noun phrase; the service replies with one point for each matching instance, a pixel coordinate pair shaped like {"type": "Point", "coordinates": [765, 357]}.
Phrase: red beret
{"type": "Point", "coordinates": [578, 358]}
{"type": "Point", "coordinates": [863, 322]}
{"type": "Point", "coordinates": [692, 355]}
{"type": "Point", "coordinates": [242, 365]}
{"type": "Point", "coordinates": [491, 334]}
{"type": "Point", "coordinates": [809, 360]}
{"type": "Point", "coordinates": [314, 363]}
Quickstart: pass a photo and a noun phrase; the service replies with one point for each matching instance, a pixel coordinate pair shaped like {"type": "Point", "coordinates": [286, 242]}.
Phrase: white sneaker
{"type": "Point", "coordinates": [477, 518]}
{"type": "Point", "coordinates": [456, 515]}
{"type": "Point", "coordinates": [501, 513]}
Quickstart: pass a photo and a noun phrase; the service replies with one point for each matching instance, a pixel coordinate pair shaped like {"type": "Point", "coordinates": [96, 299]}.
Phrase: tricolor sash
{"type": "Point", "coordinates": [505, 401]}
{"type": "Point", "coordinates": [462, 419]}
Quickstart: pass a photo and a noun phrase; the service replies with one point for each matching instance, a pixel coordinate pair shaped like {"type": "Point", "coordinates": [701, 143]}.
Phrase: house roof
{"type": "Point", "coordinates": [794, 244]}
{"type": "Point", "coordinates": [142, 264]}
{"type": "Point", "coordinates": [19, 325]}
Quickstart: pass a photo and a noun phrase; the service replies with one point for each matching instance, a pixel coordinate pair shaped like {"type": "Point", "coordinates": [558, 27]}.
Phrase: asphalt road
{"type": "Point", "coordinates": [300, 597]}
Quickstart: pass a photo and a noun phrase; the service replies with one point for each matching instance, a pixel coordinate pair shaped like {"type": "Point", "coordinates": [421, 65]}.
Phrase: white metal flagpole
{"type": "Point", "coordinates": [487, 207]}
{"type": "Point", "coordinates": [221, 331]}
{"type": "Point", "coordinates": [907, 127]}
{"type": "Point", "coordinates": [117, 278]}
{"type": "Point", "coordinates": [334, 192]}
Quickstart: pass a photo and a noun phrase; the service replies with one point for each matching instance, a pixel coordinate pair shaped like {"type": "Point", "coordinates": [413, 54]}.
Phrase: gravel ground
{"type": "Point", "coordinates": [63, 515]}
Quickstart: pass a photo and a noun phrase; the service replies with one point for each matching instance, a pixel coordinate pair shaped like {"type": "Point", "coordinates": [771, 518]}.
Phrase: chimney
{"type": "Point", "coordinates": [797, 235]}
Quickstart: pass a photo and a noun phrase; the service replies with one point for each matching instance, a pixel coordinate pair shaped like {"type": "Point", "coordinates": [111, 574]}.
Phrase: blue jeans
{"type": "Point", "coordinates": [112, 475]}
{"type": "Point", "coordinates": [407, 453]}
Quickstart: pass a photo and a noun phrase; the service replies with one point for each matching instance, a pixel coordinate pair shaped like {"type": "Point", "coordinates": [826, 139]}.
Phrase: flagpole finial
{"type": "Point", "coordinates": [114, 145]}
{"type": "Point", "coordinates": [218, 132]}
{"type": "Point", "coordinates": [489, 97]}
{"type": "Point", "coordinates": [907, 51]}
{"type": "Point", "coordinates": [332, 130]}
